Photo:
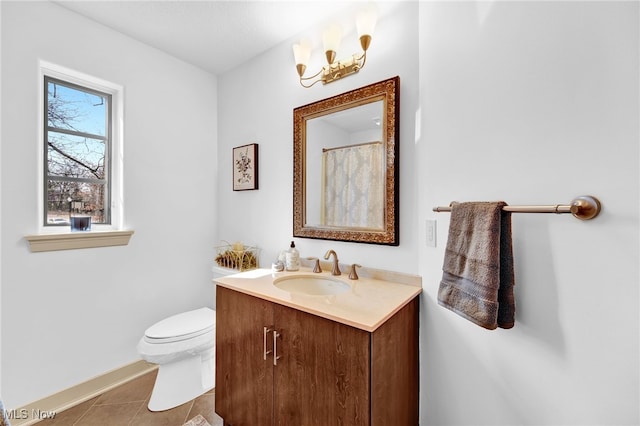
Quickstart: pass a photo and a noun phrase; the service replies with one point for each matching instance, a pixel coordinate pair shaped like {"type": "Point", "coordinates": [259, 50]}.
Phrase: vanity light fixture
{"type": "Point", "coordinates": [335, 70]}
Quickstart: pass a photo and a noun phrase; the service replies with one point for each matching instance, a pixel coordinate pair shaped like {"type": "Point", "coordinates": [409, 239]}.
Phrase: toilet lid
{"type": "Point", "coordinates": [183, 326]}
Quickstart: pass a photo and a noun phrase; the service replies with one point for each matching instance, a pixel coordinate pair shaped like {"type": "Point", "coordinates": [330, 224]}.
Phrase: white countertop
{"type": "Point", "coordinates": [367, 305]}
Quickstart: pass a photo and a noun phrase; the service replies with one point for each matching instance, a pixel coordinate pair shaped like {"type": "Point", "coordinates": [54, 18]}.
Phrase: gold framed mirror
{"type": "Point", "coordinates": [345, 166]}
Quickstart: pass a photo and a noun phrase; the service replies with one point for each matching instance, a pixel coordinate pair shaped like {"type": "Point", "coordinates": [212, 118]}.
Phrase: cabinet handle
{"type": "Point", "coordinates": [265, 352]}
{"type": "Point", "coordinates": [275, 347]}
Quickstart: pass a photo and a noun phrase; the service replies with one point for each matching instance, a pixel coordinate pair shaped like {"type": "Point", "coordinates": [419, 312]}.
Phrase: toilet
{"type": "Point", "coordinates": [183, 346]}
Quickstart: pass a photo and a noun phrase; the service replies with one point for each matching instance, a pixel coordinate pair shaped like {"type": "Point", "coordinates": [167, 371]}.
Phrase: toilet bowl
{"type": "Point", "coordinates": [183, 346]}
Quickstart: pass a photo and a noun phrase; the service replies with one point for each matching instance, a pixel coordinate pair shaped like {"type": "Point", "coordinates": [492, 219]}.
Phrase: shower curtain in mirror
{"type": "Point", "coordinates": [353, 186]}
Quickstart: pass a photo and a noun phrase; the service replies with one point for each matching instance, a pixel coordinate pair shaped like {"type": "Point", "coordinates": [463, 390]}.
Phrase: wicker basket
{"type": "Point", "coordinates": [231, 257]}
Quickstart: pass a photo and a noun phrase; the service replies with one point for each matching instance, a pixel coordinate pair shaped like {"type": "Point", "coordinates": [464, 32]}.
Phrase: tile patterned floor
{"type": "Point", "coordinates": [126, 405]}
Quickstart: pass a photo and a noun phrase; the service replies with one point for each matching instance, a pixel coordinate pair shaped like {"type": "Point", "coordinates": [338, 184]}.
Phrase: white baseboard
{"type": "Point", "coordinates": [58, 402]}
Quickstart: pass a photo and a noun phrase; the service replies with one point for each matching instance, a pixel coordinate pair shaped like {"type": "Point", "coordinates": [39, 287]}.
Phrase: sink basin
{"type": "Point", "coordinates": [312, 286]}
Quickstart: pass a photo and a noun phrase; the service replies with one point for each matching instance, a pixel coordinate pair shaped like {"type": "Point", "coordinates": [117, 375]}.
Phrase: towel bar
{"type": "Point", "coordinates": [584, 207]}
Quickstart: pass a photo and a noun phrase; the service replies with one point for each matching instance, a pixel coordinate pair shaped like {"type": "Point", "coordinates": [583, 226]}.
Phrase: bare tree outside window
{"type": "Point", "coordinates": [77, 151]}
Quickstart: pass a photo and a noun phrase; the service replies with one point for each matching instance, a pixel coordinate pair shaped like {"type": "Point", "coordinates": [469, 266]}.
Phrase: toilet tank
{"type": "Point", "coordinates": [219, 272]}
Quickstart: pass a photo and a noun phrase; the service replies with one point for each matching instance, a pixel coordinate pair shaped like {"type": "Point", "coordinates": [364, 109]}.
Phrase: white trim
{"type": "Point", "coordinates": [78, 240]}
{"type": "Point", "coordinates": [117, 143]}
{"type": "Point", "coordinates": [80, 393]}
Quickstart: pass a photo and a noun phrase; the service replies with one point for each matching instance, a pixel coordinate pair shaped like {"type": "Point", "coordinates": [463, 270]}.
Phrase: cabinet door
{"type": "Point", "coordinates": [244, 380]}
{"type": "Point", "coordinates": [322, 376]}
{"type": "Point", "coordinates": [395, 369]}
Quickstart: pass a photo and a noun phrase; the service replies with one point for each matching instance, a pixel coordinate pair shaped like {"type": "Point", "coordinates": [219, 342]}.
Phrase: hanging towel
{"type": "Point", "coordinates": [478, 279]}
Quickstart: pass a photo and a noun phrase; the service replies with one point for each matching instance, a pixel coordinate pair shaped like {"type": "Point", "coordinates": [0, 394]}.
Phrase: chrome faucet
{"type": "Point", "coordinates": [335, 269]}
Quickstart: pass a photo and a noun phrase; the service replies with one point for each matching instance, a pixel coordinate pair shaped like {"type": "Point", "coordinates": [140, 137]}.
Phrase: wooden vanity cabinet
{"type": "Point", "coordinates": [326, 373]}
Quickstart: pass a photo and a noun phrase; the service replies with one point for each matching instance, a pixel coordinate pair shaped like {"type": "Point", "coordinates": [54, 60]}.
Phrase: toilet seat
{"type": "Point", "coordinates": [184, 326]}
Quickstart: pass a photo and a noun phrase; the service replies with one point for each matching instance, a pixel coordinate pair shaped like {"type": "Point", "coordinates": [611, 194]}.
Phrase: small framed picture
{"type": "Point", "coordinates": [245, 167]}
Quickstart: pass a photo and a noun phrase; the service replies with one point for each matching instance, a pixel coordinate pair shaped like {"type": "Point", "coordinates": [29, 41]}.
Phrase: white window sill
{"type": "Point", "coordinates": [78, 240]}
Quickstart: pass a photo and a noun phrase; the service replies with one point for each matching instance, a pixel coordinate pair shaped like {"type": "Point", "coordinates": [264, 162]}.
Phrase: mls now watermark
{"type": "Point", "coordinates": [24, 414]}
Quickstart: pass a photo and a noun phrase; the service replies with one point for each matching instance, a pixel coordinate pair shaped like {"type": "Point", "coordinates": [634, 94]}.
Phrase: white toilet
{"type": "Point", "coordinates": [183, 345]}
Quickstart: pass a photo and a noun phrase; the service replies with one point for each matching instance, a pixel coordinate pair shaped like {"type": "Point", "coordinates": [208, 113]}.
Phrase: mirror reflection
{"type": "Point", "coordinates": [345, 168]}
{"type": "Point", "coordinates": [345, 172]}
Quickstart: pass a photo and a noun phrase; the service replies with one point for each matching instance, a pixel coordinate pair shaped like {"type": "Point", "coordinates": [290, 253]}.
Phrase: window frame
{"type": "Point", "coordinates": [115, 151]}
{"type": "Point", "coordinates": [107, 138]}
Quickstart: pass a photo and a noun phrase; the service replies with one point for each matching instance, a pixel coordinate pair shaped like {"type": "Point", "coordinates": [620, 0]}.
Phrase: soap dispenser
{"type": "Point", "coordinates": [293, 258]}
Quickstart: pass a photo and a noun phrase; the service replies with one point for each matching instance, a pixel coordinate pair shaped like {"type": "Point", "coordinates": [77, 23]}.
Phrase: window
{"type": "Point", "coordinates": [81, 161]}
{"type": "Point", "coordinates": [78, 151]}
{"type": "Point", "coordinates": [81, 150]}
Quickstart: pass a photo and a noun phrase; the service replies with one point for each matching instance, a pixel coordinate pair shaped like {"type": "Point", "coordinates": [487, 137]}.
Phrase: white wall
{"type": "Point", "coordinates": [534, 103]}
{"type": "Point", "coordinates": [71, 315]}
{"type": "Point", "coordinates": [256, 106]}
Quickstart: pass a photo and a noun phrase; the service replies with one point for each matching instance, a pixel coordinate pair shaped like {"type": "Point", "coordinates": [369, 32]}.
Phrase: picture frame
{"type": "Point", "coordinates": [245, 167]}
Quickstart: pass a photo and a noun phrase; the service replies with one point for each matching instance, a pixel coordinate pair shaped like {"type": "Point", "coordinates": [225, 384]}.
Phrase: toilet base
{"type": "Point", "coordinates": [181, 381]}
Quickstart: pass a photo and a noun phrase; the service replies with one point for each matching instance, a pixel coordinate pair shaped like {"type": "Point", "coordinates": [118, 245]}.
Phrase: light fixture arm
{"type": "Point", "coordinates": [303, 79]}
{"type": "Point", "coordinates": [362, 58]}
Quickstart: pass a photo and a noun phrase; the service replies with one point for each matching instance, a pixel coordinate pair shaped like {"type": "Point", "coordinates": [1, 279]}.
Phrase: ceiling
{"type": "Point", "coordinates": [214, 35]}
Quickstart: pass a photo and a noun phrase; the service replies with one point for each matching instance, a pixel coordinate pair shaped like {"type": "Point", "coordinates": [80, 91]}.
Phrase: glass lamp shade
{"type": "Point", "coordinates": [366, 20]}
{"type": "Point", "coordinates": [331, 40]}
{"type": "Point", "coordinates": [302, 52]}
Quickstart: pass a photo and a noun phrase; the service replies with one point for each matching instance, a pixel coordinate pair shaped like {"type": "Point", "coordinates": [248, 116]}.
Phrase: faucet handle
{"type": "Point", "coordinates": [353, 275]}
{"type": "Point", "coordinates": [316, 267]}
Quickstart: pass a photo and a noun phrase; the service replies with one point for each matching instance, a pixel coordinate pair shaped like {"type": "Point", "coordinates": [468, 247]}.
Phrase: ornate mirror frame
{"type": "Point", "coordinates": [388, 91]}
